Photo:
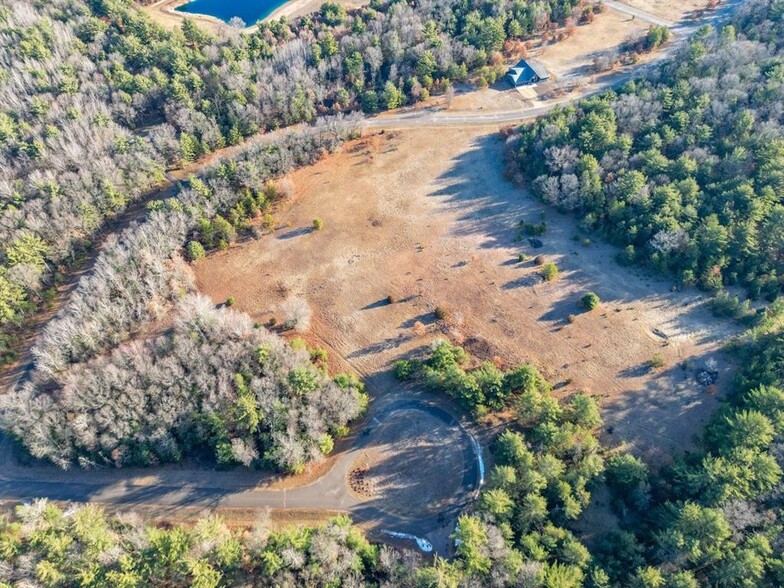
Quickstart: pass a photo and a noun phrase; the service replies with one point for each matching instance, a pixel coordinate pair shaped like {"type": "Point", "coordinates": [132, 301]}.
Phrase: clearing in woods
{"type": "Point", "coordinates": [427, 218]}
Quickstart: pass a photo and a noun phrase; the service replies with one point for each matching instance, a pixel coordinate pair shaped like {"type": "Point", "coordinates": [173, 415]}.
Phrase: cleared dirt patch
{"type": "Point", "coordinates": [413, 465]}
{"type": "Point", "coordinates": [426, 217]}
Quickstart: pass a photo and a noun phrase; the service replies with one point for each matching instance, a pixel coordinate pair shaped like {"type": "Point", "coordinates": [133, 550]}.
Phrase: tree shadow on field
{"type": "Point", "coordinates": [667, 416]}
{"type": "Point", "coordinates": [426, 318]}
{"type": "Point", "coordinates": [294, 233]}
{"type": "Point", "coordinates": [489, 209]}
{"type": "Point", "coordinates": [513, 261]}
{"type": "Point", "coordinates": [380, 303]}
{"type": "Point", "coordinates": [381, 346]}
{"type": "Point", "coordinates": [527, 281]}
{"type": "Point", "coordinates": [635, 371]}
{"type": "Point", "coordinates": [562, 309]}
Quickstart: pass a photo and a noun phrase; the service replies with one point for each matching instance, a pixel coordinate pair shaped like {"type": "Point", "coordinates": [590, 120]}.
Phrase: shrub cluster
{"type": "Point", "coordinates": [479, 389]}
{"type": "Point", "coordinates": [215, 383]}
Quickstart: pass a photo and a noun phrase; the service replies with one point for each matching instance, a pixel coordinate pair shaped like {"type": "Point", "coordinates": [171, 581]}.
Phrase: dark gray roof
{"type": "Point", "coordinates": [526, 70]}
{"type": "Point", "coordinates": [540, 69]}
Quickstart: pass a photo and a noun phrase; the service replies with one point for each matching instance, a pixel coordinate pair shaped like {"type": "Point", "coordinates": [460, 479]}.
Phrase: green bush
{"type": "Point", "coordinates": [657, 36]}
{"type": "Point", "coordinates": [532, 230]}
{"type": "Point", "coordinates": [194, 250]}
{"type": "Point", "coordinates": [549, 272]}
{"type": "Point", "coordinates": [405, 369]}
{"type": "Point", "coordinates": [326, 444]}
{"type": "Point", "coordinates": [318, 224]}
{"type": "Point", "coordinates": [481, 389]}
{"type": "Point", "coordinates": [589, 301]}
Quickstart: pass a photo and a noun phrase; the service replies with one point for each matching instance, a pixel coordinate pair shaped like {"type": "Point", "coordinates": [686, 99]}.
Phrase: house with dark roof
{"type": "Point", "coordinates": [526, 73]}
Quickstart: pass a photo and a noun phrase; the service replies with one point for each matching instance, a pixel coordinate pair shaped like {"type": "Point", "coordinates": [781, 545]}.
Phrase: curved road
{"type": "Point", "coordinates": [432, 118]}
{"type": "Point", "coordinates": [204, 488]}
{"type": "Point", "coordinates": [171, 487]}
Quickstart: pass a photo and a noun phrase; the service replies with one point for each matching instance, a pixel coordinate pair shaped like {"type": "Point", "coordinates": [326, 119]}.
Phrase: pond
{"type": "Point", "coordinates": [249, 11]}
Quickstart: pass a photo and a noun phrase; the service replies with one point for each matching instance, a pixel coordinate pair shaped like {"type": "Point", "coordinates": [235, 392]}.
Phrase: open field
{"type": "Point", "coordinates": [427, 218]}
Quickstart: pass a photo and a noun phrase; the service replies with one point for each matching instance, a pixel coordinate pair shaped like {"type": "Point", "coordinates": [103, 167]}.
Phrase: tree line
{"type": "Point", "coordinates": [683, 168]}
{"type": "Point", "coordinates": [214, 386]}
{"type": "Point", "coordinates": [44, 545]}
{"type": "Point", "coordinates": [97, 101]}
{"type": "Point", "coordinates": [711, 518]}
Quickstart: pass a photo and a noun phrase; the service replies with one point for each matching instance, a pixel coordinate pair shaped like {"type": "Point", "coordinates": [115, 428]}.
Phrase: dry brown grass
{"type": "Point", "coordinates": [427, 215]}
{"type": "Point", "coordinates": [574, 57]}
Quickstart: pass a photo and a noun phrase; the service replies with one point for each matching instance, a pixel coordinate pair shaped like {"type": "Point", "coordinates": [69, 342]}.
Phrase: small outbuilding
{"type": "Point", "coordinates": [526, 73]}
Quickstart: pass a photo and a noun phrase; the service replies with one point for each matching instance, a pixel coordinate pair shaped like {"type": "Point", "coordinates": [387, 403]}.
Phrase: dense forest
{"type": "Point", "coordinates": [213, 382]}
{"type": "Point", "coordinates": [43, 545]}
{"type": "Point", "coordinates": [97, 101]}
{"type": "Point", "coordinates": [713, 518]}
{"type": "Point", "coordinates": [683, 169]}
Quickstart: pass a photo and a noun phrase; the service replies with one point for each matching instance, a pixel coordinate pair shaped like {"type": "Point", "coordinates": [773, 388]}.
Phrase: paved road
{"type": "Point", "coordinates": [203, 488]}
{"type": "Point", "coordinates": [637, 13]}
{"type": "Point", "coordinates": [431, 118]}
{"type": "Point", "coordinates": [169, 487]}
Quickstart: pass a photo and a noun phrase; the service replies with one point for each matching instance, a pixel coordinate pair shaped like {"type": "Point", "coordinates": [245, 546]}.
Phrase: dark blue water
{"type": "Point", "coordinates": [248, 10]}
